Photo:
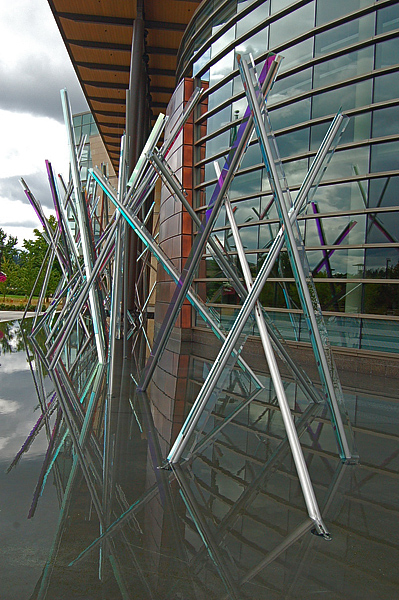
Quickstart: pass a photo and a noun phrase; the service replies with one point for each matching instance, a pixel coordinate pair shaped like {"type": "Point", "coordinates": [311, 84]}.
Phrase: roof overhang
{"type": "Point", "coordinates": [98, 37]}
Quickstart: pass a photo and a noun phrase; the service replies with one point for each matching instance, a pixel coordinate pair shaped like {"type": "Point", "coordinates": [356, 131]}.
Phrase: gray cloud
{"type": "Point", "coordinates": [35, 89]}
{"type": "Point", "coordinates": [36, 65]}
{"type": "Point", "coordinates": [38, 184]}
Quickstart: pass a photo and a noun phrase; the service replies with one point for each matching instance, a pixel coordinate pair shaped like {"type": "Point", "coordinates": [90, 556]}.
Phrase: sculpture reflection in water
{"type": "Point", "coordinates": [100, 359]}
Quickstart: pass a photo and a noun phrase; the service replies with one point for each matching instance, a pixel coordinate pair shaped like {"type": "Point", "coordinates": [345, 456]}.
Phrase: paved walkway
{"type": "Point", "coordinates": [13, 315]}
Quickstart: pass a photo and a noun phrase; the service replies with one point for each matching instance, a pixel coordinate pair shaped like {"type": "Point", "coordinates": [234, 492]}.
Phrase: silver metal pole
{"type": "Point", "coordinates": [299, 459]}
{"type": "Point", "coordinates": [84, 233]}
{"type": "Point", "coordinates": [115, 316]}
{"type": "Point", "coordinates": [299, 274]}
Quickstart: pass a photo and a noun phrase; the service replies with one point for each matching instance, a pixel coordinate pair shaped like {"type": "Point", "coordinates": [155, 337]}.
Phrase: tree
{"type": "Point", "coordinates": [9, 262]}
{"type": "Point", "coordinates": [8, 247]}
{"type": "Point", "coordinates": [32, 258]}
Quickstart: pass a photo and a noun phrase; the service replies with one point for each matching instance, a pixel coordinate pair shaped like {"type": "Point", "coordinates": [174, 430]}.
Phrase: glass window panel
{"type": "Point", "coordinates": [385, 157]}
{"type": "Point", "coordinates": [358, 128]}
{"type": "Point", "coordinates": [241, 4]}
{"type": "Point", "coordinates": [288, 87]}
{"type": "Point", "coordinates": [387, 53]}
{"type": "Point", "coordinates": [291, 25]}
{"type": "Point", "coordinates": [221, 234]}
{"type": "Point", "coordinates": [350, 96]}
{"type": "Point", "coordinates": [268, 208]}
{"type": "Point", "coordinates": [86, 130]}
{"type": "Point", "coordinates": [343, 331]}
{"type": "Point", "coordinates": [339, 230]}
{"type": "Point", "coordinates": [209, 171]}
{"type": "Point", "coordinates": [212, 268]}
{"type": "Point", "coordinates": [277, 5]}
{"type": "Point", "coordinates": [388, 19]}
{"type": "Point", "coordinates": [222, 68]}
{"type": "Point", "coordinates": [237, 85]}
{"type": "Point", "coordinates": [249, 237]}
{"type": "Point", "coordinates": [293, 143]}
{"type": "Point", "coordinates": [208, 195]}
{"type": "Point", "coordinates": [223, 15]}
{"type": "Point", "coordinates": [223, 40]}
{"type": "Point", "coordinates": [295, 172]}
{"type": "Point", "coordinates": [213, 291]}
{"type": "Point", "coordinates": [256, 44]}
{"type": "Point", "coordinates": [344, 35]}
{"type": "Point", "coordinates": [291, 114]}
{"type": "Point", "coordinates": [331, 295]}
{"type": "Point", "coordinates": [201, 62]}
{"type": "Point", "coordinates": [343, 263]}
{"type": "Point", "coordinates": [380, 335]}
{"type": "Point", "coordinates": [220, 95]}
{"type": "Point", "coordinates": [382, 228]}
{"type": "Point", "coordinates": [253, 19]}
{"type": "Point", "coordinates": [273, 295]}
{"type": "Point", "coordinates": [296, 55]}
{"type": "Point", "coordinates": [328, 11]}
{"type": "Point", "coordinates": [78, 134]}
{"type": "Point", "coordinates": [382, 263]}
{"type": "Point", "coordinates": [87, 118]}
{"type": "Point", "coordinates": [343, 67]}
{"type": "Point", "coordinates": [246, 210]}
{"type": "Point", "coordinates": [203, 15]}
{"type": "Point", "coordinates": [384, 192]}
{"type": "Point", "coordinates": [386, 121]}
{"type": "Point", "coordinates": [238, 108]}
{"type": "Point", "coordinates": [267, 234]}
{"type": "Point", "coordinates": [381, 299]}
{"type": "Point", "coordinates": [218, 144]}
{"type": "Point", "coordinates": [245, 184]}
{"type": "Point", "coordinates": [386, 87]}
{"type": "Point", "coordinates": [221, 220]}
{"type": "Point", "coordinates": [346, 163]}
{"type": "Point", "coordinates": [252, 156]}
{"type": "Point", "coordinates": [340, 197]}
{"type": "Point", "coordinates": [218, 120]}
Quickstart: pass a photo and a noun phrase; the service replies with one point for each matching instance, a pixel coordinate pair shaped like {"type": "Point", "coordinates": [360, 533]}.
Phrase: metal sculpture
{"type": "Point", "coordinates": [81, 340]}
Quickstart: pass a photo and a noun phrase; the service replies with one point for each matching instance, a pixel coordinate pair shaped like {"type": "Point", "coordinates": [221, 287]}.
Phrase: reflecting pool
{"type": "Point", "coordinates": [108, 520]}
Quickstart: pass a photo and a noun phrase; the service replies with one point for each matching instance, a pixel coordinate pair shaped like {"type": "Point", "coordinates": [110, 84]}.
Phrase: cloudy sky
{"type": "Point", "coordinates": [34, 67]}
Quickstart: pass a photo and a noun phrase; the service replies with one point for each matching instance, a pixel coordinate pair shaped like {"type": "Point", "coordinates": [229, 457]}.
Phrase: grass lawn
{"type": "Point", "coordinates": [13, 300]}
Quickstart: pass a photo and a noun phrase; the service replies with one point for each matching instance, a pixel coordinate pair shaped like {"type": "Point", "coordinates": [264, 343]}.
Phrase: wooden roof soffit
{"type": "Point", "coordinates": [98, 36]}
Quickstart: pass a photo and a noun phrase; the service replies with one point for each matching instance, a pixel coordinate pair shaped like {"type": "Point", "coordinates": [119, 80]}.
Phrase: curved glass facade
{"type": "Point", "coordinates": [336, 55]}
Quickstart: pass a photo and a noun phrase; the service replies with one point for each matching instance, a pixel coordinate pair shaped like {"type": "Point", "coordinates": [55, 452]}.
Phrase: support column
{"type": "Point", "coordinates": [136, 109]}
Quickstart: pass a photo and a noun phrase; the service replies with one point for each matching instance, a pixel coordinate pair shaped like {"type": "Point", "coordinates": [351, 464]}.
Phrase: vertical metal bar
{"type": "Point", "coordinates": [114, 320]}
{"type": "Point", "coordinates": [57, 206]}
{"type": "Point", "coordinates": [115, 315]}
{"type": "Point", "coordinates": [84, 231]}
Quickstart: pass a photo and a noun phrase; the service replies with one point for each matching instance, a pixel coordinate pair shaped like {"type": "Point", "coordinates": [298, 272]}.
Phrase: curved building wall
{"type": "Point", "coordinates": [336, 54]}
